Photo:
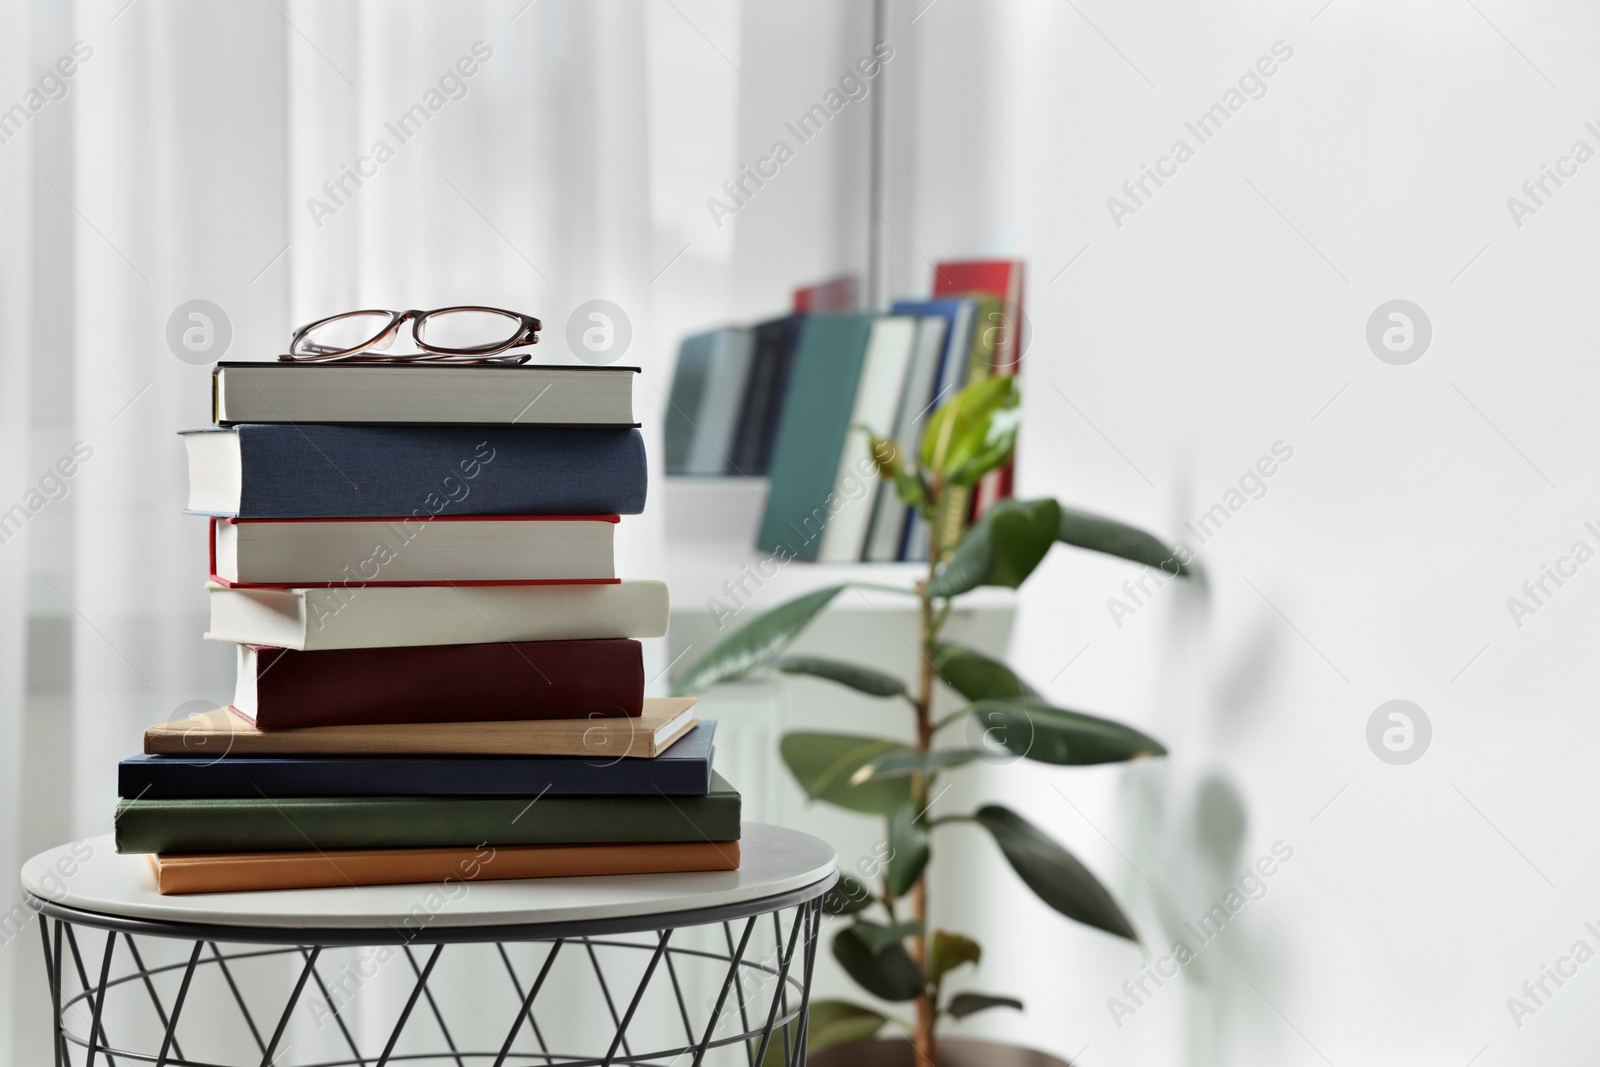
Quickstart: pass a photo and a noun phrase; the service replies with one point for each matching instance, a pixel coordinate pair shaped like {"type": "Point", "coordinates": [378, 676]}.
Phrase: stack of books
{"type": "Point", "coordinates": [439, 671]}
{"type": "Point", "coordinates": [779, 399]}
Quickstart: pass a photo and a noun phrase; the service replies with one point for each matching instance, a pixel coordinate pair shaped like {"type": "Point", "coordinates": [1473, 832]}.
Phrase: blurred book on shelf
{"type": "Point", "coordinates": [778, 400]}
{"type": "Point", "coordinates": [839, 294]}
{"type": "Point", "coordinates": [1000, 279]}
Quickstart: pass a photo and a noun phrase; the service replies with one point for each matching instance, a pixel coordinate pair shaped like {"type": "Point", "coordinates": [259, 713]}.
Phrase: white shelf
{"type": "Point", "coordinates": [710, 538]}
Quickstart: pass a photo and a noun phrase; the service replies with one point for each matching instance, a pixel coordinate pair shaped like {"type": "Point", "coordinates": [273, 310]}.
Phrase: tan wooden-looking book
{"type": "Point", "coordinates": [228, 872]}
{"type": "Point", "coordinates": [223, 732]}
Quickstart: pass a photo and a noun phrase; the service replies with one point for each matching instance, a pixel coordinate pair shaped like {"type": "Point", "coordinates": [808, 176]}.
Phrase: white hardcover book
{"type": "Point", "coordinates": [889, 521]}
{"type": "Point", "coordinates": [711, 446]}
{"type": "Point", "coordinates": [418, 392]}
{"type": "Point", "coordinates": [408, 550]}
{"type": "Point", "coordinates": [883, 378]}
{"type": "Point", "coordinates": [398, 616]}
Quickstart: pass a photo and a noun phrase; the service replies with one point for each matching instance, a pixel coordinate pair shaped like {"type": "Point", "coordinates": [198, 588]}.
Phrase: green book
{"type": "Point", "coordinates": [811, 434]}
{"type": "Point", "coordinates": [260, 824]}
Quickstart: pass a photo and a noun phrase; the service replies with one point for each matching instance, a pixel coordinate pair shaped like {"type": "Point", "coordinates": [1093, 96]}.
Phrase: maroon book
{"type": "Point", "coordinates": [280, 688]}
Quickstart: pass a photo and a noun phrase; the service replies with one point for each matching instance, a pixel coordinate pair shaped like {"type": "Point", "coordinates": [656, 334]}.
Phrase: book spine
{"type": "Point", "coordinates": [747, 436]}
{"type": "Point", "coordinates": [419, 472]}
{"type": "Point", "coordinates": [444, 683]}
{"type": "Point", "coordinates": [376, 777]}
{"type": "Point", "coordinates": [801, 498]}
{"type": "Point", "coordinates": [264, 825]}
{"type": "Point", "coordinates": [683, 404]}
{"type": "Point", "coordinates": [224, 873]}
{"type": "Point", "coordinates": [776, 398]}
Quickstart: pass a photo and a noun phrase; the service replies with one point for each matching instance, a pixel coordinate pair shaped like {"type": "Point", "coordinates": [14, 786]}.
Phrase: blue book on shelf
{"type": "Point", "coordinates": [281, 471]}
{"type": "Point", "coordinates": [684, 769]}
{"type": "Point", "coordinates": [958, 313]}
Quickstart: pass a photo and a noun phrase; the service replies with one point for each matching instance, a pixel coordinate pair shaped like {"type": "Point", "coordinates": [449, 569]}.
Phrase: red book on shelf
{"type": "Point", "coordinates": [834, 295]}
{"type": "Point", "coordinates": [413, 550]}
{"type": "Point", "coordinates": [1000, 278]}
{"type": "Point", "coordinates": [279, 688]}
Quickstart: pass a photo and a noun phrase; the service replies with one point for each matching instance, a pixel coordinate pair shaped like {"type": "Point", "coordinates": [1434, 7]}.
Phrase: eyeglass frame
{"type": "Point", "coordinates": [527, 333]}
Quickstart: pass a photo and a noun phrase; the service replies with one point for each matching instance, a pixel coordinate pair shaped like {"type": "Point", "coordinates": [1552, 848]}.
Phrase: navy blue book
{"type": "Point", "coordinates": [684, 770]}
{"type": "Point", "coordinates": [768, 384]}
{"type": "Point", "coordinates": [278, 471]}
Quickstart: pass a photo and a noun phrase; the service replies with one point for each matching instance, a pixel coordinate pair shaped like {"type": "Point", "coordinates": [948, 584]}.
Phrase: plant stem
{"type": "Point", "coordinates": [927, 1052]}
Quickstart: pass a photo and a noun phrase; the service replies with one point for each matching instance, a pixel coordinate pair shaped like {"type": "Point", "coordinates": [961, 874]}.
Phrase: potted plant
{"type": "Point", "coordinates": [886, 948]}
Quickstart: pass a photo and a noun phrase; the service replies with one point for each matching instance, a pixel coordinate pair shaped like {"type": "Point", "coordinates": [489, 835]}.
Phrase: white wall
{"type": "Point", "coordinates": [1221, 318]}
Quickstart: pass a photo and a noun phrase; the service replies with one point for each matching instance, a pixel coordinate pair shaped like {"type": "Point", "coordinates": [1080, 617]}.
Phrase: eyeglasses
{"type": "Point", "coordinates": [444, 335]}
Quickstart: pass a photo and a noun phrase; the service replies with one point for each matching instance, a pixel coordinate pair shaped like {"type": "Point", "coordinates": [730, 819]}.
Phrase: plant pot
{"type": "Point", "coordinates": [953, 1052]}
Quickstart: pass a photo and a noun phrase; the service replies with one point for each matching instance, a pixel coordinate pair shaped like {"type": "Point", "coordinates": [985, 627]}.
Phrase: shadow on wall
{"type": "Point", "coordinates": [1214, 937]}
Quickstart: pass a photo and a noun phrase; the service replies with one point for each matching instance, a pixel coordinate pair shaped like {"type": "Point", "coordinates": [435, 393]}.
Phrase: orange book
{"type": "Point", "coordinates": [230, 872]}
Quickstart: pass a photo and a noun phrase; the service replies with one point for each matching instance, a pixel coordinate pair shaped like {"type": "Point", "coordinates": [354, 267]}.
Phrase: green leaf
{"type": "Point", "coordinates": [755, 644]}
{"type": "Point", "coordinates": [900, 764]}
{"type": "Point", "coordinates": [1022, 531]}
{"type": "Point", "coordinates": [962, 430]}
{"type": "Point", "coordinates": [967, 566]}
{"type": "Point", "coordinates": [1100, 534]}
{"type": "Point", "coordinates": [1002, 548]}
{"type": "Point", "coordinates": [908, 849]}
{"type": "Point", "coordinates": [987, 444]}
{"type": "Point", "coordinates": [950, 951]}
{"type": "Point", "coordinates": [1053, 873]}
{"type": "Point", "coordinates": [976, 676]}
{"type": "Point", "coordinates": [862, 679]}
{"type": "Point", "coordinates": [823, 765]}
{"type": "Point", "coordinates": [1040, 732]}
{"type": "Point", "coordinates": [889, 973]}
{"type": "Point", "coordinates": [878, 936]}
{"type": "Point", "coordinates": [847, 897]}
{"type": "Point", "coordinates": [833, 1022]}
{"type": "Point", "coordinates": [964, 1004]}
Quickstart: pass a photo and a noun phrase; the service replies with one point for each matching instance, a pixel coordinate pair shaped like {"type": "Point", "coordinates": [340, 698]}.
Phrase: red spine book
{"type": "Point", "coordinates": [282, 689]}
{"type": "Point", "coordinates": [1001, 278]}
{"type": "Point", "coordinates": [835, 295]}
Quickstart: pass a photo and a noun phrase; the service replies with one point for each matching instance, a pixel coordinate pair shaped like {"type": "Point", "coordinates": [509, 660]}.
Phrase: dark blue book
{"type": "Point", "coordinates": [279, 471]}
{"type": "Point", "coordinates": [682, 770]}
{"type": "Point", "coordinates": [768, 384]}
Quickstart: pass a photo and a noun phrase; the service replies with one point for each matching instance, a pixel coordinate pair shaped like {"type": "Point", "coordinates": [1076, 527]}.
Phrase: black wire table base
{"type": "Point", "coordinates": [728, 986]}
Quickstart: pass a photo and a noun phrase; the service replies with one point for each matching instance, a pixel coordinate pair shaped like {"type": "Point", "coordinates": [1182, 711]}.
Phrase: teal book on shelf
{"type": "Point", "coordinates": [712, 440]}
{"type": "Point", "coordinates": [684, 404]}
{"type": "Point", "coordinates": [811, 434]}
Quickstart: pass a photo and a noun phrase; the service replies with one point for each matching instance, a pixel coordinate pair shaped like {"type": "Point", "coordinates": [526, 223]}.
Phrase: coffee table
{"type": "Point", "coordinates": [646, 969]}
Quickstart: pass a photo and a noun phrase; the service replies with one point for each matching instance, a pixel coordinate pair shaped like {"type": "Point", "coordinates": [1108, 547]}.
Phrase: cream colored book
{"type": "Point", "coordinates": [224, 732]}
{"type": "Point", "coordinates": [398, 616]}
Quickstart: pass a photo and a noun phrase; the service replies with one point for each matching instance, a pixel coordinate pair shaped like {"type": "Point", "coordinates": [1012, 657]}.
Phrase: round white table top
{"type": "Point", "coordinates": [90, 876]}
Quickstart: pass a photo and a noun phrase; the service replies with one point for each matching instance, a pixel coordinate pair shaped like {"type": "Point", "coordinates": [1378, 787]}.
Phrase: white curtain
{"type": "Point", "coordinates": [16, 316]}
{"type": "Point", "coordinates": [180, 164]}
